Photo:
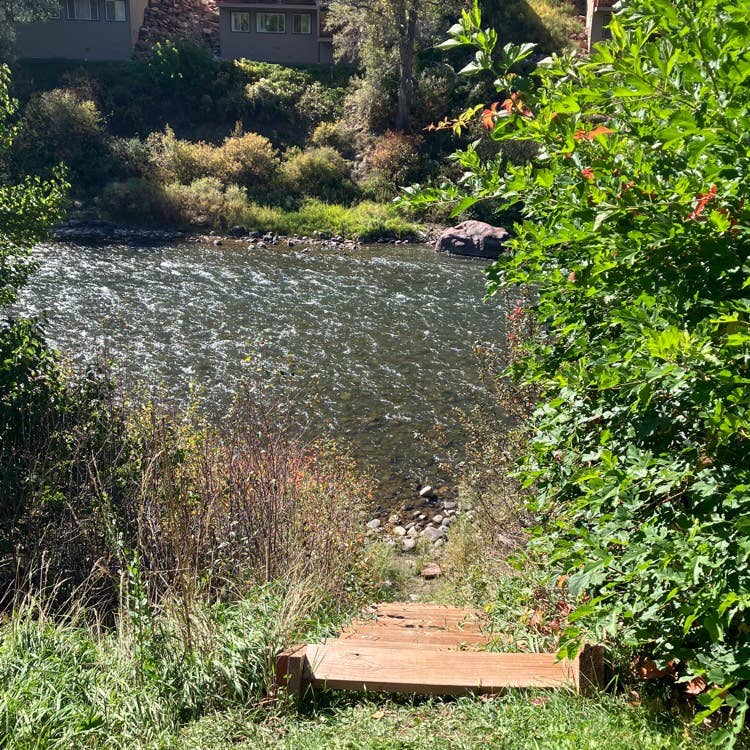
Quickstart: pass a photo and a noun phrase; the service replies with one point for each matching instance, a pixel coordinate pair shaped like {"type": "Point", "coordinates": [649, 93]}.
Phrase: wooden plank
{"type": "Point", "coordinates": [410, 609]}
{"type": "Point", "coordinates": [290, 671]}
{"type": "Point", "coordinates": [590, 670]}
{"type": "Point", "coordinates": [424, 623]}
{"type": "Point", "coordinates": [436, 639]}
{"type": "Point", "coordinates": [343, 665]}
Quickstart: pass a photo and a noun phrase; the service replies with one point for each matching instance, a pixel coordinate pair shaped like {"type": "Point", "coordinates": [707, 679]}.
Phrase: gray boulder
{"type": "Point", "coordinates": [474, 238]}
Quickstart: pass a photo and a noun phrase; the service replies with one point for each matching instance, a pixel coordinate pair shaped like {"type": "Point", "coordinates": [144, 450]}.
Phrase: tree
{"type": "Point", "coordinates": [27, 209]}
{"type": "Point", "coordinates": [383, 36]}
{"type": "Point", "coordinates": [21, 11]}
{"type": "Point", "coordinates": [636, 240]}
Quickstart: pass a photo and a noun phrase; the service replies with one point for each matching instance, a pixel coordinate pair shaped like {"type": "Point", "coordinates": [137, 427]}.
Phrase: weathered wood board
{"type": "Point", "coordinates": [429, 650]}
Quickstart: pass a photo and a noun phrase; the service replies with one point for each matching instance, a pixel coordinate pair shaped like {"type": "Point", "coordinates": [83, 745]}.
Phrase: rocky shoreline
{"type": "Point", "coordinates": [431, 522]}
{"type": "Point", "coordinates": [99, 231]}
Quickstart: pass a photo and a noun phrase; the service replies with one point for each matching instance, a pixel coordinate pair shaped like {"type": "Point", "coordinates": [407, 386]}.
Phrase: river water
{"type": "Point", "coordinates": [382, 335]}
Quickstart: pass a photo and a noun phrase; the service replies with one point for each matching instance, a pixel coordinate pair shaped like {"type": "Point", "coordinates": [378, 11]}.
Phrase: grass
{"type": "Point", "coordinates": [168, 679]}
{"type": "Point", "coordinates": [366, 220]}
{"type": "Point", "coordinates": [517, 721]}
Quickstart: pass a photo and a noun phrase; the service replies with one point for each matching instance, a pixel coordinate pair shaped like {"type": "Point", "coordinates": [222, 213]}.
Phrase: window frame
{"type": "Point", "coordinates": [114, 3]}
{"type": "Point", "coordinates": [262, 14]}
{"type": "Point", "coordinates": [93, 10]}
{"type": "Point", "coordinates": [236, 13]}
{"type": "Point", "coordinates": [300, 16]}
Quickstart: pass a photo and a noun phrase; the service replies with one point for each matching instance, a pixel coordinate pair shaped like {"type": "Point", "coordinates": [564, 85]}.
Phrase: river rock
{"type": "Point", "coordinates": [408, 544]}
{"type": "Point", "coordinates": [237, 231]}
{"type": "Point", "coordinates": [437, 519]}
{"type": "Point", "coordinates": [413, 532]}
{"type": "Point", "coordinates": [374, 524]}
{"type": "Point", "coordinates": [450, 505]}
{"type": "Point", "coordinates": [433, 534]}
{"type": "Point", "coordinates": [425, 491]}
{"type": "Point", "coordinates": [399, 531]}
{"type": "Point", "coordinates": [474, 238]}
{"type": "Point", "coordinates": [431, 570]}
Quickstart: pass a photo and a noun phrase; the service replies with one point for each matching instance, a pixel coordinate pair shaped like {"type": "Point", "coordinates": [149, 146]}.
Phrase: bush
{"type": "Point", "coordinates": [335, 135]}
{"type": "Point", "coordinates": [635, 238]}
{"type": "Point", "coordinates": [393, 161]}
{"type": "Point", "coordinates": [182, 69]}
{"type": "Point", "coordinates": [319, 173]}
{"type": "Point", "coordinates": [131, 158]}
{"type": "Point", "coordinates": [177, 160]}
{"type": "Point", "coordinates": [273, 90]}
{"type": "Point", "coordinates": [248, 159]}
{"type": "Point", "coordinates": [58, 126]}
{"type": "Point", "coordinates": [318, 103]}
{"type": "Point", "coordinates": [141, 202]}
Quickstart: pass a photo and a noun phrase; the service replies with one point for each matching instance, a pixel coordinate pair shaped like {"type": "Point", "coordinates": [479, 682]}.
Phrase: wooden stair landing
{"type": "Point", "coordinates": [427, 649]}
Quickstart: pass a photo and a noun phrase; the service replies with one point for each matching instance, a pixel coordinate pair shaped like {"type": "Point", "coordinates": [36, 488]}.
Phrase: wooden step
{"type": "Point", "coordinates": [342, 665]}
{"type": "Point", "coordinates": [418, 637]}
{"type": "Point", "coordinates": [427, 649]}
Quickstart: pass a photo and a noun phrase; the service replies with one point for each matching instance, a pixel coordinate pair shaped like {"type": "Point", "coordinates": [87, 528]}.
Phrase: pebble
{"type": "Point", "coordinates": [426, 490]}
{"type": "Point", "coordinates": [374, 524]}
{"type": "Point", "coordinates": [409, 544]}
{"type": "Point", "coordinates": [437, 519]}
{"type": "Point", "coordinates": [450, 505]}
{"type": "Point", "coordinates": [399, 531]}
{"type": "Point", "coordinates": [422, 517]}
{"type": "Point", "coordinates": [413, 532]}
{"type": "Point", "coordinates": [447, 522]}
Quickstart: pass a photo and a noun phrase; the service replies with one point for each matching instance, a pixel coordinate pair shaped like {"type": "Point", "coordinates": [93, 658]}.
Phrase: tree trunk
{"type": "Point", "coordinates": [406, 43]}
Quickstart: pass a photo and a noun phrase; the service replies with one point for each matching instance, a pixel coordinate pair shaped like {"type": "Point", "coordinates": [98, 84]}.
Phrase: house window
{"type": "Point", "coordinates": [301, 23]}
{"type": "Point", "coordinates": [240, 21]}
{"type": "Point", "coordinates": [114, 10]}
{"type": "Point", "coordinates": [271, 23]}
{"type": "Point", "coordinates": [83, 10]}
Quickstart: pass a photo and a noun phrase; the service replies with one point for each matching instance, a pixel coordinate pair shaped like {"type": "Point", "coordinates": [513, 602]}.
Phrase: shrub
{"type": "Point", "coordinates": [636, 238]}
{"type": "Point", "coordinates": [318, 103]}
{"type": "Point", "coordinates": [58, 126]}
{"type": "Point", "coordinates": [177, 160]}
{"type": "Point", "coordinates": [183, 69]}
{"type": "Point", "coordinates": [140, 201]}
{"type": "Point", "coordinates": [200, 203]}
{"type": "Point", "coordinates": [320, 173]}
{"type": "Point", "coordinates": [434, 89]}
{"type": "Point", "coordinates": [393, 161]}
{"type": "Point", "coordinates": [131, 158]}
{"type": "Point", "coordinates": [245, 159]}
{"type": "Point", "coordinates": [273, 90]}
{"type": "Point", "coordinates": [335, 135]}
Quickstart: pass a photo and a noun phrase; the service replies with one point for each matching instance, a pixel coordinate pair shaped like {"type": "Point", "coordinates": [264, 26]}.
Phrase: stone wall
{"type": "Point", "coordinates": [174, 19]}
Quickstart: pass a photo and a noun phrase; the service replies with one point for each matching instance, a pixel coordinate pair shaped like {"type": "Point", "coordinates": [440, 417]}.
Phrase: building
{"type": "Point", "coordinates": [84, 30]}
{"type": "Point", "coordinates": [598, 15]}
{"type": "Point", "coordinates": [279, 31]}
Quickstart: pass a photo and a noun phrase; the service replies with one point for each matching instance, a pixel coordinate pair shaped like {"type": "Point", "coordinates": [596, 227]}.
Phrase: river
{"type": "Point", "coordinates": [383, 335]}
